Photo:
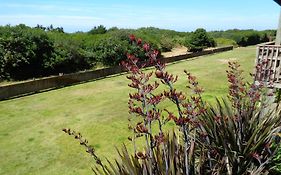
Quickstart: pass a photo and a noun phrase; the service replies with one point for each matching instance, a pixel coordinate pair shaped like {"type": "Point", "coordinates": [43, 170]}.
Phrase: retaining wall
{"type": "Point", "coordinates": [43, 84]}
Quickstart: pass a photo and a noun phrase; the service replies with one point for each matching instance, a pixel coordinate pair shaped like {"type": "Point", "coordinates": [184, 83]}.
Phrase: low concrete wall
{"type": "Point", "coordinates": [43, 84]}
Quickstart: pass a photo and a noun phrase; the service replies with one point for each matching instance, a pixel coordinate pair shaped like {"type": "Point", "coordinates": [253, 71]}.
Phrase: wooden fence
{"type": "Point", "coordinates": [48, 83]}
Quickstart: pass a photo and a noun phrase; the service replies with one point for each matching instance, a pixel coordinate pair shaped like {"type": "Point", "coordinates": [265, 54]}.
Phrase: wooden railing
{"type": "Point", "coordinates": [268, 64]}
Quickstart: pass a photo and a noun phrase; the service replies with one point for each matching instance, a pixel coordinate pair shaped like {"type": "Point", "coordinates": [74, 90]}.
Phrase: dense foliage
{"type": "Point", "coordinates": [98, 30]}
{"type": "Point", "coordinates": [27, 52]}
{"type": "Point", "coordinates": [199, 40]}
{"type": "Point", "coordinates": [245, 37]}
{"type": "Point", "coordinates": [41, 51]}
{"type": "Point", "coordinates": [225, 42]}
{"type": "Point", "coordinates": [235, 136]}
{"type": "Point", "coordinates": [24, 53]}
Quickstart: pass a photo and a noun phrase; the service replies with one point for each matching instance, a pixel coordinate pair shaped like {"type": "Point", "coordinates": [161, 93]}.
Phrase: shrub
{"type": "Point", "coordinates": [245, 37]}
{"type": "Point", "coordinates": [160, 39]}
{"type": "Point", "coordinates": [30, 53]}
{"type": "Point", "coordinates": [166, 44]}
{"type": "Point", "coordinates": [236, 136]}
{"type": "Point", "coordinates": [240, 132]}
{"type": "Point", "coordinates": [225, 42]}
{"type": "Point", "coordinates": [276, 163]}
{"type": "Point", "coordinates": [70, 57]}
{"type": "Point", "coordinates": [199, 40]}
{"type": "Point", "coordinates": [98, 30]}
{"type": "Point", "coordinates": [24, 52]}
{"type": "Point", "coordinates": [109, 51]}
{"type": "Point", "coordinates": [249, 39]}
{"type": "Point", "coordinates": [47, 50]}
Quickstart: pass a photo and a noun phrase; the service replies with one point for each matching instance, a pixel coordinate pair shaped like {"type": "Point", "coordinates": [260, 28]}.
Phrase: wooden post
{"type": "Point", "coordinates": [278, 34]}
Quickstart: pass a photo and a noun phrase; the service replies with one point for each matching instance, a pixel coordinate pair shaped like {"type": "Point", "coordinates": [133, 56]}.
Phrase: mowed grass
{"type": "Point", "coordinates": [31, 140]}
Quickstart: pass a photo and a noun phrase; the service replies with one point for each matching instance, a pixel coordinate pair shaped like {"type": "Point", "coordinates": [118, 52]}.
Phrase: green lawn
{"type": "Point", "coordinates": [31, 140]}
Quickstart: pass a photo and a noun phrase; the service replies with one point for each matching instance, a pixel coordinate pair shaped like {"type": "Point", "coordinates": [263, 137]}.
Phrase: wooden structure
{"type": "Point", "coordinates": [268, 62]}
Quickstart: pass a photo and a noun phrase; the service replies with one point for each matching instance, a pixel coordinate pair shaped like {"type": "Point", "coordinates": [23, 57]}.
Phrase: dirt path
{"type": "Point", "coordinates": [175, 51]}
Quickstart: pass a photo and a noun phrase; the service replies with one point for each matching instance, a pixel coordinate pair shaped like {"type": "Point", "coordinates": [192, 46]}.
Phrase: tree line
{"type": "Point", "coordinates": [27, 52]}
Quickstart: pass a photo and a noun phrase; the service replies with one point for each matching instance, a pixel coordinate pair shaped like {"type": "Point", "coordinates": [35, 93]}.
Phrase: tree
{"type": "Point", "coordinates": [98, 30]}
{"type": "Point", "coordinates": [199, 40]}
{"type": "Point", "coordinates": [24, 53]}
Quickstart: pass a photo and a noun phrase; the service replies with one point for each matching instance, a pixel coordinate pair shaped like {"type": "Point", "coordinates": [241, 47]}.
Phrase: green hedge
{"type": "Point", "coordinates": [24, 52]}
{"type": "Point", "coordinates": [245, 37]}
{"type": "Point", "coordinates": [27, 52]}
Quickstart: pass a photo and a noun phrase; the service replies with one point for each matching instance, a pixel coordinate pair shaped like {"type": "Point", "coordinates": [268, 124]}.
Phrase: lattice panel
{"type": "Point", "coordinates": [268, 65]}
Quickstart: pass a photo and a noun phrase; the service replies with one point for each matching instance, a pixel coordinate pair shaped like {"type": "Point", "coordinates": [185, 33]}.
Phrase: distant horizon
{"type": "Point", "coordinates": [133, 28]}
{"type": "Point", "coordinates": [179, 15]}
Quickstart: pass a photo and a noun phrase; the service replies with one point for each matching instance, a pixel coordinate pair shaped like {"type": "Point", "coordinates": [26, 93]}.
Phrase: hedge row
{"type": "Point", "coordinates": [27, 52]}
{"type": "Point", "coordinates": [32, 52]}
{"type": "Point", "coordinates": [244, 37]}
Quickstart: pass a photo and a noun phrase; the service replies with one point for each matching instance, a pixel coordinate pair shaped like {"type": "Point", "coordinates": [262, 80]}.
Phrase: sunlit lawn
{"type": "Point", "coordinates": [31, 140]}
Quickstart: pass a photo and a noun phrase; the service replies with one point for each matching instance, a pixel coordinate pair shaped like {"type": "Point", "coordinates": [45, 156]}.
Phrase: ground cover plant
{"type": "Point", "coordinates": [30, 138]}
{"type": "Point", "coordinates": [234, 136]}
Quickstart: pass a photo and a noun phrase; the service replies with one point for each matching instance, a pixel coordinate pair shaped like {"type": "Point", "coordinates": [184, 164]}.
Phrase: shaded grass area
{"type": "Point", "coordinates": [31, 140]}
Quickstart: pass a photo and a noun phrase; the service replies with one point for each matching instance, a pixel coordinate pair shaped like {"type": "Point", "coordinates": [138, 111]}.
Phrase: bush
{"type": "Point", "coordinates": [70, 57]}
{"type": "Point", "coordinates": [245, 37]}
{"type": "Point", "coordinates": [98, 30]}
{"type": "Point", "coordinates": [161, 39]}
{"type": "Point", "coordinates": [166, 44]}
{"type": "Point", "coordinates": [199, 40]}
{"type": "Point", "coordinates": [30, 53]}
{"type": "Point", "coordinates": [225, 42]}
{"type": "Point", "coordinates": [250, 39]}
{"type": "Point", "coordinates": [41, 51]}
{"type": "Point", "coordinates": [276, 163]}
{"type": "Point", "coordinates": [236, 136]}
{"type": "Point", "coordinates": [109, 51]}
{"type": "Point", "coordinates": [24, 52]}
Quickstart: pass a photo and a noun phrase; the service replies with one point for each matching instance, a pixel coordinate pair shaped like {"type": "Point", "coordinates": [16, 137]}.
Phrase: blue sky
{"type": "Point", "coordinates": [180, 15]}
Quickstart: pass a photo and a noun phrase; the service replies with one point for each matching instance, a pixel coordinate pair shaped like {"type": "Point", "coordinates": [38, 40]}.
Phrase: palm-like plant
{"type": "Point", "coordinates": [239, 132]}
{"type": "Point", "coordinates": [235, 136]}
{"type": "Point", "coordinates": [238, 145]}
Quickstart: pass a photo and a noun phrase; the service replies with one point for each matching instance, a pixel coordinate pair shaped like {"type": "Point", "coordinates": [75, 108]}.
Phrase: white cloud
{"type": "Point", "coordinates": [32, 20]}
{"type": "Point", "coordinates": [81, 16]}
{"type": "Point", "coordinates": [31, 6]}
